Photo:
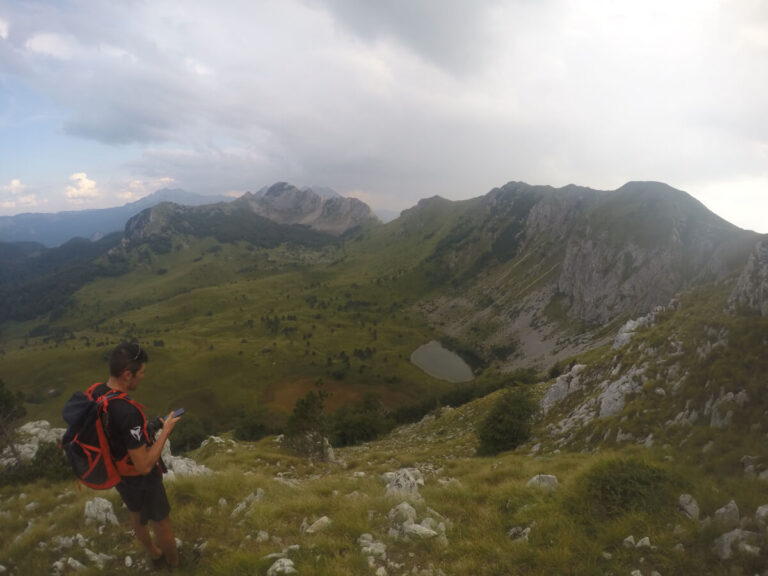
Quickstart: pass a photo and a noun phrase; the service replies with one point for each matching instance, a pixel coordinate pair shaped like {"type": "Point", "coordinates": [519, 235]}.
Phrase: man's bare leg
{"type": "Point", "coordinates": [167, 541]}
{"type": "Point", "coordinates": [142, 535]}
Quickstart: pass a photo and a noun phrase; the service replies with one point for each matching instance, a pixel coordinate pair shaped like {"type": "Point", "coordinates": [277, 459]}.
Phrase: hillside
{"type": "Point", "coordinates": [641, 318]}
{"type": "Point", "coordinates": [519, 278]}
{"type": "Point", "coordinates": [621, 479]}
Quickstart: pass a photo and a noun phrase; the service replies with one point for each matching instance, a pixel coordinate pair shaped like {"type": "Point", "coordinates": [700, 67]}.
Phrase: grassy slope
{"type": "Point", "coordinates": [479, 499]}
{"type": "Point", "coordinates": [208, 304]}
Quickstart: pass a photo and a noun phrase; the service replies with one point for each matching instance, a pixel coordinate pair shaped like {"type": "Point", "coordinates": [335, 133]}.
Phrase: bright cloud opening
{"type": "Point", "coordinates": [3, 29]}
{"type": "Point", "coordinates": [83, 188]}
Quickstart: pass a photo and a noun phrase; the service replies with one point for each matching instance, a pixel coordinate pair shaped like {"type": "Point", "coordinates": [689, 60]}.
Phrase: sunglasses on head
{"type": "Point", "coordinates": [138, 352]}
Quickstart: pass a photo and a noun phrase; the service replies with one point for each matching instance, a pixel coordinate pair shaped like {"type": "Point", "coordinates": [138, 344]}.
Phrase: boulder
{"type": "Point", "coordinates": [404, 483]}
{"type": "Point", "coordinates": [543, 481]}
{"type": "Point", "coordinates": [100, 510]}
{"type": "Point", "coordinates": [319, 525]}
{"type": "Point", "coordinates": [761, 516]}
{"type": "Point", "coordinates": [688, 505]}
{"type": "Point", "coordinates": [282, 566]}
{"type": "Point", "coordinates": [728, 517]}
{"type": "Point", "coordinates": [402, 513]}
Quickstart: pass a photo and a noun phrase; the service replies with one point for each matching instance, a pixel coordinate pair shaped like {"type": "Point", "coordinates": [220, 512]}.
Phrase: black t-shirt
{"type": "Point", "coordinates": [125, 425]}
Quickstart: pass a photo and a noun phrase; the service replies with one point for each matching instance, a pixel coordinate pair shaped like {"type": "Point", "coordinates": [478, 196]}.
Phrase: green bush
{"type": "Point", "coordinates": [251, 428]}
{"type": "Point", "coordinates": [362, 422]}
{"type": "Point", "coordinates": [189, 434]}
{"type": "Point", "coordinates": [305, 430]}
{"type": "Point", "coordinates": [49, 463]}
{"type": "Point", "coordinates": [508, 424]}
{"type": "Point", "coordinates": [618, 486]}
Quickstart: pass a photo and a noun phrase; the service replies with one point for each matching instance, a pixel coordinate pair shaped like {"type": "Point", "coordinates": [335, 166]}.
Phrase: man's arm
{"type": "Point", "coordinates": [145, 457]}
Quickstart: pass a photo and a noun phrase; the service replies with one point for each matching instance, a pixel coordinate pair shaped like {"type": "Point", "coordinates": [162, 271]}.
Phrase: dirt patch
{"type": "Point", "coordinates": [281, 396]}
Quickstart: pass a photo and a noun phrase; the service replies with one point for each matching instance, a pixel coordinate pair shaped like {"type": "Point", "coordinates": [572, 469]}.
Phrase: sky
{"type": "Point", "coordinates": [102, 103]}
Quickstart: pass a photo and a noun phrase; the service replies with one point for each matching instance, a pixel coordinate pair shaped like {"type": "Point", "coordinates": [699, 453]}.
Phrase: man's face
{"type": "Point", "coordinates": [134, 379]}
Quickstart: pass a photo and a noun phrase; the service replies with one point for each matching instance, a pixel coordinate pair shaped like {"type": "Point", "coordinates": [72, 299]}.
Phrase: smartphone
{"type": "Point", "coordinates": [177, 413]}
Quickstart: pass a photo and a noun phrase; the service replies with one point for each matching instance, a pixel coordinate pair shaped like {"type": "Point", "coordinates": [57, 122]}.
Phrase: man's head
{"type": "Point", "coordinates": [127, 356]}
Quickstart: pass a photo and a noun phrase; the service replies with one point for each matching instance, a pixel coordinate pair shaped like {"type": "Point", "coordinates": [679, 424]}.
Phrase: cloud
{"type": "Point", "coordinates": [83, 189]}
{"type": "Point", "coordinates": [394, 100]}
{"type": "Point", "coordinates": [13, 187]}
{"type": "Point", "coordinates": [16, 195]}
{"type": "Point", "coordinates": [58, 46]}
{"type": "Point", "coordinates": [451, 34]}
{"type": "Point", "coordinates": [3, 29]}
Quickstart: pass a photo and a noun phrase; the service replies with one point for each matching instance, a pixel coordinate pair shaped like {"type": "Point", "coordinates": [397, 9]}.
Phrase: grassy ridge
{"type": "Point", "coordinates": [228, 327]}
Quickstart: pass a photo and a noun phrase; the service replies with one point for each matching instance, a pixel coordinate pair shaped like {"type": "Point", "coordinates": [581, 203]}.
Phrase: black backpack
{"type": "Point", "coordinates": [85, 441]}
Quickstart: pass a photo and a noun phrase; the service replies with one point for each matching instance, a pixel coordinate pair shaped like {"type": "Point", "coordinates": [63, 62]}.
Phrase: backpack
{"type": "Point", "coordinates": [85, 441]}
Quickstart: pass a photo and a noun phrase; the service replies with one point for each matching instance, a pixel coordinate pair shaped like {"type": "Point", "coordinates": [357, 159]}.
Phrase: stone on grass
{"type": "Point", "coordinates": [544, 481]}
{"type": "Point", "coordinates": [282, 566]}
{"type": "Point", "coordinates": [728, 516]}
{"type": "Point", "coordinates": [688, 506]}
{"type": "Point", "coordinates": [100, 510]}
{"type": "Point", "coordinates": [319, 525]}
{"type": "Point", "coordinates": [404, 483]}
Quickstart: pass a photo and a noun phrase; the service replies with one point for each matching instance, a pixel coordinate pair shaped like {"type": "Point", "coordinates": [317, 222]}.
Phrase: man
{"type": "Point", "coordinates": [141, 487]}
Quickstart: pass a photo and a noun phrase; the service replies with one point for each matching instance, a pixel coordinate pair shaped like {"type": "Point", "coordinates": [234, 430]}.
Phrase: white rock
{"type": "Point", "coordinates": [689, 506]}
{"type": "Point", "coordinates": [544, 481]}
{"type": "Point", "coordinates": [723, 546]}
{"type": "Point", "coordinates": [282, 566]}
{"type": "Point", "coordinates": [519, 534]}
{"type": "Point", "coordinates": [262, 536]}
{"type": "Point", "coordinates": [100, 510]}
{"type": "Point", "coordinates": [761, 515]}
{"type": "Point", "coordinates": [404, 483]}
{"type": "Point", "coordinates": [73, 564]}
{"type": "Point", "coordinates": [629, 542]}
{"type": "Point", "coordinates": [402, 513]}
{"type": "Point", "coordinates": [248, 502]}
{"type": "Point", "coordinates": [728, 516]}
{"type": "Point", "coordinates": [644, 543]}
{"type": "Point", "coordinates": [419, 531]}
{"type": "Point", "coordinates": [319, 525]}
{"type": "Point", "coordinates": [99, 559]}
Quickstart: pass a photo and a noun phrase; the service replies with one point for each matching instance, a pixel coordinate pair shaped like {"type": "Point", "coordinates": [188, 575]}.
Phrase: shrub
{"type": "Point", "coordinates": [49, 463]}
{"type": "Point", "coordinates": [508, 424]}
{"type": "Point", "coordinates": [305, 430]}
{"type": "Point", "coordinates": [362, 422]}
{"type": "Point", "coordinates": [189, 434]}
{"type": "Point", "coordinates": [251, 428]}
{"type": "Point", "coordinates": [620, 485]}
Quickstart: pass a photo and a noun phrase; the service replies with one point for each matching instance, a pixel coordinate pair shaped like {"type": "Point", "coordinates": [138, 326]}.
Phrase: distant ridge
{"type": "Point", "coordinates": [55, 229]}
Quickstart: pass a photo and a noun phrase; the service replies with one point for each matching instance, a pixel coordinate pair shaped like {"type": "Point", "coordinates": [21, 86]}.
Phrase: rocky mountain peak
{"type": "Point", "coordinates": [286, 204]}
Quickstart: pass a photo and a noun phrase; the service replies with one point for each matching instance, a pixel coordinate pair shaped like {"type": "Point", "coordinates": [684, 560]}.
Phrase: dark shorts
{"type": "Point", "coordinates": [146, 495]}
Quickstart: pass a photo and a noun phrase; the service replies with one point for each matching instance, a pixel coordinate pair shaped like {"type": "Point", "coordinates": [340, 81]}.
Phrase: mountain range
{"type": "Point", "coordinates": [57, 228]}
{"type": "Point", "coordinates": [635, 319]}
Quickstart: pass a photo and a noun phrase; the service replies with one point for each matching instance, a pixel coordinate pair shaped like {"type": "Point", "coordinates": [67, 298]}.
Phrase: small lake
{"type": "Point", "coordinates": [441, 363]}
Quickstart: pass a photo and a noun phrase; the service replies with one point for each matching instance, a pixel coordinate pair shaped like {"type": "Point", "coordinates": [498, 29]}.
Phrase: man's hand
{"type": "Point", "coordinates": [169, 422]}
{"type": "Point", "coordinates": [145, 457]}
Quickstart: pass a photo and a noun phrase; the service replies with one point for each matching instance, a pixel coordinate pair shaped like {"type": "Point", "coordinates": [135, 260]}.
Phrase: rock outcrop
{"type": "Point", "coordinates": [751, 291]}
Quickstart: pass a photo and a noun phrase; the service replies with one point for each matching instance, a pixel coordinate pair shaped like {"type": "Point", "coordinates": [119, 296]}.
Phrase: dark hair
{"type": "Point", "coordinates": [127, 356]}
